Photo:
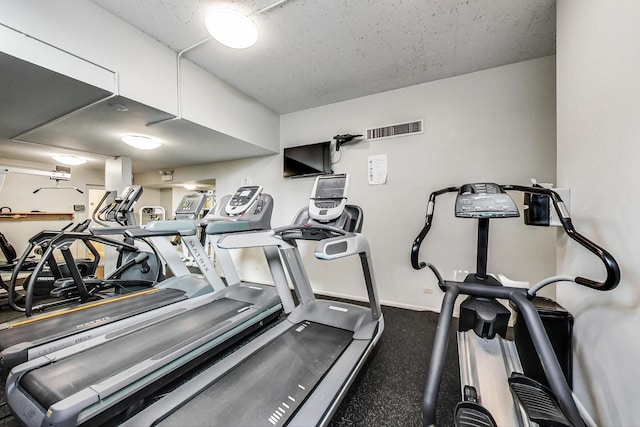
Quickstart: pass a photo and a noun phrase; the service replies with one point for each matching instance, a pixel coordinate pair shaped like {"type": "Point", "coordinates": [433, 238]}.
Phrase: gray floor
{"type": "Point", "coordinates": [388, 390]}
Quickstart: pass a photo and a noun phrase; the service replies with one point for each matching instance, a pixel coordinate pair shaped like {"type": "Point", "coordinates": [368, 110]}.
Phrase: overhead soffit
{"type": "Point", "coordinates": [43, 112]}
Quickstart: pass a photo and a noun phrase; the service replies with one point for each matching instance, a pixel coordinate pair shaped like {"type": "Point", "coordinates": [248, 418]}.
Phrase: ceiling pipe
{"type": "Point", "coordinates": [178, 116]}
{"type": "Point", "coordinates": [271, 6]}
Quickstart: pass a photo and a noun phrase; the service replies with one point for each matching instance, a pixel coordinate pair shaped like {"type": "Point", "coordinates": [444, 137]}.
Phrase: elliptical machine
{"type": "Point", "coordinates": [517, 399]}
{"type": "Point", "coordinates": [73, 280]}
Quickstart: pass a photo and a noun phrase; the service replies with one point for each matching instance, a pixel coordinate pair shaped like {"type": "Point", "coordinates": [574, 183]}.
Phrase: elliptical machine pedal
{"type": "Point", "coordinates": [472, 414]}
{"type": "Point", "coordinates": [538, 402]}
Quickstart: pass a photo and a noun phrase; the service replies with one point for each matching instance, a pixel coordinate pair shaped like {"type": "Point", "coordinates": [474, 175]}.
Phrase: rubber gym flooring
{"type": "Point", "coordinates": [388, 390]}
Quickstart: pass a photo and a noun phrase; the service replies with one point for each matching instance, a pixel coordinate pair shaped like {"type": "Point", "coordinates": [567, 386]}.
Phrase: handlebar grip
{"type": "Point", "coordinates": [309, 227]}
{"type": "Point", "coordinates": [611, 266]}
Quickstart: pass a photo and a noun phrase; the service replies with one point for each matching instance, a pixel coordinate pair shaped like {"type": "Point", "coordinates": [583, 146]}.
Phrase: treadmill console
{"type": "Point", "coordinates": [328, 197]}
{"type": "Point", "coordinates": [190, 206]}
{"type": "Point", "coordinates": [254, 212]}
{"type": "Point", "coordinates": [242, 199]}
{"type": "Point", "coordinates": [484, 200]}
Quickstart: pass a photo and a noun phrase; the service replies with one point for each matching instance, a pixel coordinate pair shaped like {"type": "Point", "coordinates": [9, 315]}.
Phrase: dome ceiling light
{"type": "Point", "coordinates": [69, 159]}
{"type": "Point", "coordinates": [141, 142]}
{"type": "Point", "coordinates": [231, 28]}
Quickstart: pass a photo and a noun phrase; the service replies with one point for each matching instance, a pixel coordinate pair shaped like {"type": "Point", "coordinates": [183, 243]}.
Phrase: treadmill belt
{"type": "Point", "coordinates": [267, 388]}
{"type": "Point", "coordinates": [56, 381]}
{"type": "Point", "coordinates": [87, 317]}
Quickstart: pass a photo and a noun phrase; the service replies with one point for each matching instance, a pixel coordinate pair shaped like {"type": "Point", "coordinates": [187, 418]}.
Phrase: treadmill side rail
{"type": "Point", "coordinates": [326, 397]}
{"type": "Point", "coordinates": [251, 239]}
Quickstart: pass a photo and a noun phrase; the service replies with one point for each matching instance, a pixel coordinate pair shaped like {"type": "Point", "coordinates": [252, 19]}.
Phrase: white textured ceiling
{"type": "Point", "coordinates": [316, 52]}
{"type": "Point", "coordinates": [309, 53]}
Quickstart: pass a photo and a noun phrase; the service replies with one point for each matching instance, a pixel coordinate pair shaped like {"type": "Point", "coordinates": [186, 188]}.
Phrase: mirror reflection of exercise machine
{"type": "Point", "coordinates": [43, 274]}
{"type": "Point", "coordinates": [147, 214]}
{"type": "Point", "coordinates": [117, 209]}
{"type": "Point", "coordinates": [500, 386]}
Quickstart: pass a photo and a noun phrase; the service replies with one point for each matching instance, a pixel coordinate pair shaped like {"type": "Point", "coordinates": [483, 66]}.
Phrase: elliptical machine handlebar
{"type": "Point", "coordinates": [610, 264]}
{"type": "Point", "coordinates": [520, 297]}
{"type": "Point", "coordinates": [415, 248]}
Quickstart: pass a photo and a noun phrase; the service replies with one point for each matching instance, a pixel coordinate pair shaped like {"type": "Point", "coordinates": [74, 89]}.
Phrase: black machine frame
{"type": "Point", "coordinates": [481, 285]}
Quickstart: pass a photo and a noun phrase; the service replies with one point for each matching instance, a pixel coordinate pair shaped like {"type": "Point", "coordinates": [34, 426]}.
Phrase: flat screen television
{"type": "Point", "coordinates": [307, 160]}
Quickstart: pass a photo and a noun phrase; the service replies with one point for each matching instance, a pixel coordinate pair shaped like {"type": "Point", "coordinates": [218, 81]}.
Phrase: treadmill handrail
{"type": "Point", "coordinates": [251, 239]}
{"type": "Point", "coordinates": [140, 233]}
{"type": "Point", "coordinates": [349, 244]}
{"type": "Point", "coordinates": [310, 227]}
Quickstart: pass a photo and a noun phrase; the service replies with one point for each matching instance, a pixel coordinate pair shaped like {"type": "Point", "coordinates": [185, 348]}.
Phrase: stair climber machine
{"type": "Point", "coordinates": [104, 375]}
{"type": "Point", "coordinates": [297, 372]}
{"type": "Point", "coordinates": [499, 385]}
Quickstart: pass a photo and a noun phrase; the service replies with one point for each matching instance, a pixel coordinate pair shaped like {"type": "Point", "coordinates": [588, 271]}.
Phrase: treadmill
{"type": "Point", "coordinates": [297, 372]}
{"type": "Point", "coordinates": [94, 381]}
{"type": "Point", "coordinates": [28, 339]}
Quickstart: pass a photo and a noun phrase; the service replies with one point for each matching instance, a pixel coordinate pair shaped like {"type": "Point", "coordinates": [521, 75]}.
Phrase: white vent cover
{"type": "Point", "coordinates": [393, 131]}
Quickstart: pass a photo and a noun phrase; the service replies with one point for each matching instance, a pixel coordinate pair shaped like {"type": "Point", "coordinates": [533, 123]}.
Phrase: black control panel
{"type": "Point", "coordinates": [190, 206]}
{"type": "Point", "coordinates": [328, 197]}
{"type": "Point", "coordinates": [485, 200]}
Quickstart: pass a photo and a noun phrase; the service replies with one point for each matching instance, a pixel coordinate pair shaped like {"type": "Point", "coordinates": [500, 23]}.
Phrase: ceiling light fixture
{"type": "Point", "coordinates": [69, 159]}
{"type": "Point", "coordinates": [190, 187]}
{"type": "Point", "coordinates": [234, 29]}
{"type": "Point", "coordinates": [141, 142]}
{"type": "Point", "coordinates": [231, 28]}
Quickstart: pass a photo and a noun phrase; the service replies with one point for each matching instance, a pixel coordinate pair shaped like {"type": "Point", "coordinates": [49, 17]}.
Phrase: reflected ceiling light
{"type": "Point", "coordinates": [69, 159]}
{"type": "Point", "coordinates": [231, 28]}
{"type": "Point", "coordinates": [190, 187]}
{"type": "Point", "coordinates": [141, 142]}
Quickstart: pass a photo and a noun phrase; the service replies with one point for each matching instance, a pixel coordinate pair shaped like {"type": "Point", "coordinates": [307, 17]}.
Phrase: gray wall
{"type": "Point", "coordinates": [495, 125]}
{"type": "Point", "coordinates": [598, 127]}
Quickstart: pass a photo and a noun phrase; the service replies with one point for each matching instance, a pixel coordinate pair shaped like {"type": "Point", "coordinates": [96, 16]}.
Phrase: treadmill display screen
{"type": "Point", "coordinates": [331, 188]}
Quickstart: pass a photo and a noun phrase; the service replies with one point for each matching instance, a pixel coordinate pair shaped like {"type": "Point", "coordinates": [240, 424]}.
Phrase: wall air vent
{"type": "Point", "coordinates": [393, 131]}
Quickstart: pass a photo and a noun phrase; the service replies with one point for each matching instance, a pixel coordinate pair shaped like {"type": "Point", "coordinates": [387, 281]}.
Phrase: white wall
{"type": "Point", "coordinates": [84, 29]}
{"type": "Point", "coordinates": [598, 69]}
{"type": "Point", "coordinates": [495, 125]}
{"type": "Point", "coordinates": [17, 194]}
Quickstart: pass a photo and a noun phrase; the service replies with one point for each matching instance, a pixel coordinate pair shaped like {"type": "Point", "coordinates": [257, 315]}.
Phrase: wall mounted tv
{"type": "Point", "coordinates": [307, 160]}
